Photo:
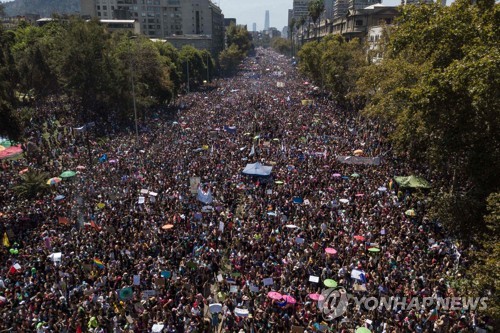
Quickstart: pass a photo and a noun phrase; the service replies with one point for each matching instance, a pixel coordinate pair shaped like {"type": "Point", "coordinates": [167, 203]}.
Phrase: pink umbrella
{"type": "Point", "coordinates": [336, 175]}
{"type": "Point", "coordinates": [359, 238]}
{"type": "Point", "coordinates": [360, 195]}
{"type": "Point", "coordinates": [289, 299]}
{"type": "Point", "coordinates": [274, 295]}
{"type": "Point", "coordinates": [316, 297]}
{"type": "Point", "coordinates": [330, 250]}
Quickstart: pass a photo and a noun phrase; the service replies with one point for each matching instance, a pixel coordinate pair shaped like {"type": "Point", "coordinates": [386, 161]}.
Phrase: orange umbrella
{"type": "Point", "coordinates": [358, 152]}
{"type": "Point", "coordinates": [23, 171]}
{"type": "Point", "coordinates": [167, 226]}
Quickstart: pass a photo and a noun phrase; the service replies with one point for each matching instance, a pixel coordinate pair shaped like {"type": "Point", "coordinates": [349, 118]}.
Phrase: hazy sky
{"type": "Point", "coordinates": [250, 11]}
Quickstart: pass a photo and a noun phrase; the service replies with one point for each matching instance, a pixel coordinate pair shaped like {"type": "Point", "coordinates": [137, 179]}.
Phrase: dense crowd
{"type": "Point", "coordinates": [134, 244]}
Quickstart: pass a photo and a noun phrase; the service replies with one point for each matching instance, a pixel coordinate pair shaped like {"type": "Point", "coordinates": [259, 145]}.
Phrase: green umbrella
{"type": "Point", "coordinates": [363, 330]}
{"type": "Point", "coordinates": [330, 283]}
{"type": "Point", "coordinates": [236, 274]}
{"type": "Point", "coordinates": [355, 175]}
{"type": "Point", "coordinates": [67, 174]}
{"type": "Point", "coordinates": [6, 143]}
{"type": "Point", "coordinates": [374, 249]}
{"type": "Point", "coordinates": [256, 137]}
{"type": "Point", "coordinates": [126, 294]}
{"type": "Point", "coordinates": [279, 182]}
{"type": "Point", "coordinates": [276, 139]}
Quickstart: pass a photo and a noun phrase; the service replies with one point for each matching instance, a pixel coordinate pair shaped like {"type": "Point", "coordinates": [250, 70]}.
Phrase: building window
{"type": "Point", "coordinates": [359, 23]}
{"type": "Point", "coordinates": [104, 7]}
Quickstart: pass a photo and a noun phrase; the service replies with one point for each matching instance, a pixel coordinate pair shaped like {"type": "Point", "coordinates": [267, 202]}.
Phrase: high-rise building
{"type": "Point", "coordinates": [300, 9]}
{"type": "Point", "coordinates": [360, 4]}
{"type": "Point", "coordinates": [254, 27]}
{"type": "Point", "coordinates": [266, 23]}
{"type": "Point", "coordinates": [416, 2]}
{"type": "Point", "coordinates": [340, 8]}
{"type": "Point", "coordinates": [164, 18]}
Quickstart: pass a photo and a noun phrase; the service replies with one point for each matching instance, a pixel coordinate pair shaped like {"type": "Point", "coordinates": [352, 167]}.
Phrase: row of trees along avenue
{"type": "Point", "coordinates": [92, 68]}
{"type": "Point", "coordinates": [436, 94]}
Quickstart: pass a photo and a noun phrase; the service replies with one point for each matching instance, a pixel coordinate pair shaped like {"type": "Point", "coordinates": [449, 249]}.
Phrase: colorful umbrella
{"type": "Point", "coordinates": [167, 226]}
{"type": "Point", "coordinates": [358, 152]}
{"type": "Point", "coordinates": [374, 249]}
{"type": "Point", "coordinates": [101, 205]}
{"type": "Point", "coordinates": [359, 195]}
{"type": "Point", "coordinates": [355, 175]}
{"type": "Point", "coordinates": [274, 295]}
{"type": "Point", "coordinates": [59, 197]}
{"type": "Point", "coordinates": [330, 283]}
{"type": "Point", "coordinates": [2, 148]}
{"type": "Point", "coordinates": [291, 226]}
{"type": "Point", "coordinates": [53, 181]}
{"type": "Point", "coordinates": [330, 250]}
{"type": "Point", "coordinates": [126, 294]}
{"type": "Point", "coordinates": [279, 182]}
{"type": "Point", "coordinates": [359, 238]}
{"type": "Point", "coordinates": [80, 167]}
{"type": "Point", "coordinates": [382, 189]}
{"type": "Point", "coordinates": [411, 213]}
{"type": "Point", "coordinates": [289, 299]}
{"type": "Point", "coordinates": [336, 175]}
{"type": "Point", "coordinates": [316, 297]}
{"type": "Point", "coordinates": [67, 174]}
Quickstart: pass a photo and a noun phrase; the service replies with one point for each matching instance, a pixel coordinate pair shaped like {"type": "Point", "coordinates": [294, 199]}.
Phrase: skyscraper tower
{"type": "Point", "coordinates": [266, 24]}
{"type": "Point", "coordinates": [255, 27]}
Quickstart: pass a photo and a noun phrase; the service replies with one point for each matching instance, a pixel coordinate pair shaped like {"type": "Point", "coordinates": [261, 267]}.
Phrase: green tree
{"type": "Point", "coordinates": [192, 58]}
{"type": "Point", "coordinates": [33, 184]}
{"type": "Point", "coordinates": [334, 64]}
{"type": "Point", "coordinates": [439, 88]}
{"type": "Point", "coordinates": [281, 45]}
{"type": "Point", "coordinates": [9, 123]}
{"type": "Point", "coordinates": [238, 35]}
{"type": "Point", "coordinates": [315, 9]}
{"type": "Point", "coordinates": [485, 271]}
{"type": "Point", "coordinates": [230, 58]}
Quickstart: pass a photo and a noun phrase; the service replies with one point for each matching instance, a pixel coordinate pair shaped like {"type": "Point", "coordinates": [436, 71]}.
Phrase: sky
{"type": "Point", "coordinates": [250, 11]}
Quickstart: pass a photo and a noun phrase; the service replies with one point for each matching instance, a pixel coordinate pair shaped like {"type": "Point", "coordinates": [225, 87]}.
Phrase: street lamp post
{"type": "Point", "coordinates": [133, 96]}
{"type": "Point", "coordinates": [187, 73]}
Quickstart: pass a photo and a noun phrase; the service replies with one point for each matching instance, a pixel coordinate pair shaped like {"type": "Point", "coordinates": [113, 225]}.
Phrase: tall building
{"type": "Point", "coordinates": [254, 27]}
{"type": "Point", "coordinates": [164, 18]}
{"type": "Point", "coordinates": [417, 2]}
{"type": "Point", "coordinates": [266, 22]}
{"type": "Point", "coordinates": [360, 4]}
{"type": "Point", "coordinates": [340, 8]}
{"type": "Point", "coordinates": [300, 9]}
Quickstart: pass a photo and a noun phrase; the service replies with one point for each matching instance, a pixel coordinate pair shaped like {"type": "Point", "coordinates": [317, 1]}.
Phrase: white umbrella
{"type": "Point", "coordinates": [241, 312]}
{"type": "Point", "coordinates": [344, 201]}
{"type": "Point", "coordinates": [291, 226]}
{"type": "Point", "coordinates": [215, 308]}
{"type": "Point", "coordinates": [382, 188]}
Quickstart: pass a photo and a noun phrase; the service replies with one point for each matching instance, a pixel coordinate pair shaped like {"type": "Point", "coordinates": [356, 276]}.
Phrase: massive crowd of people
{"type": "Point", "coordinates": [132, 243]}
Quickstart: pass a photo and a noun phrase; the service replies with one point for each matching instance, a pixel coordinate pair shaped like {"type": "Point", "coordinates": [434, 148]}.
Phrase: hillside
{"type": "Point", "coordinates": [45, 8]}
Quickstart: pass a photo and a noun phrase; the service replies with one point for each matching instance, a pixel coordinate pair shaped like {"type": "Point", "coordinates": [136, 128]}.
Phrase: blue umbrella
{"type": "Point", "coordinates": [59, 197]}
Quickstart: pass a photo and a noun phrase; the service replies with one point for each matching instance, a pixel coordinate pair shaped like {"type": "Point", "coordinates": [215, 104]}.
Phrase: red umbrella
{"type": "Point", "coordinates": [274, 295]}
{"type": "Point", "coordinates": [359, 238]}
{"type": "Point", "coordinates": [316, 297]}
{"type": "Point", "coordinates": [289, 299]}
{"type": "Point", "coordinates": [330, 250]}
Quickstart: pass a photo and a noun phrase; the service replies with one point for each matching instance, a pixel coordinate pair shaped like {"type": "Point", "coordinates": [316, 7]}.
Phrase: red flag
{"type": "Point", "coordinates": [95, 226]}
{"type": "Point", "coordinates": [78, 329]}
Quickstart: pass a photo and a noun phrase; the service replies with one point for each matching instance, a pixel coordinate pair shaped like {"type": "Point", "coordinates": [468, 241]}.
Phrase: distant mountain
{"type": "Point", "coordinates": [44, 8]}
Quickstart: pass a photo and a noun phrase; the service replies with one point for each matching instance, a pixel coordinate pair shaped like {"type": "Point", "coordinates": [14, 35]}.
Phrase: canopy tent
{"type": "Point", "coordinates": [257, 169]}
{"type": "Point", "coordinates": [412, 182]}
